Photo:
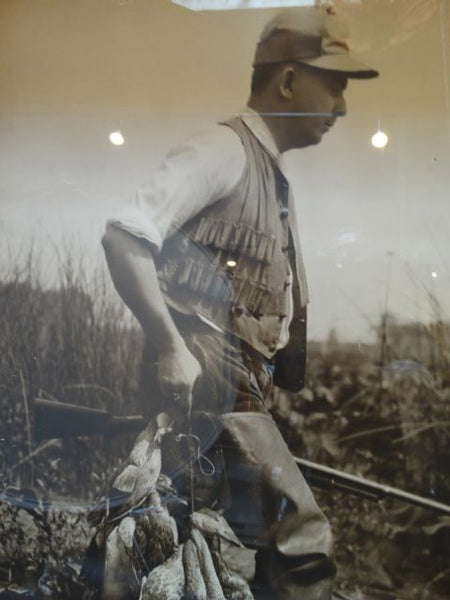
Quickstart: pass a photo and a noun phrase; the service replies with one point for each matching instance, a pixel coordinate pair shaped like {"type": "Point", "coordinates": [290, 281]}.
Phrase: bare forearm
{"type": "Point", "coordinates": [133, 272]}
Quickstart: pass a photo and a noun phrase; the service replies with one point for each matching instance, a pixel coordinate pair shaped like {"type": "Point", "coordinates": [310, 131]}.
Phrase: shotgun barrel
{"type": "Point", "coordinates": [331, 479]}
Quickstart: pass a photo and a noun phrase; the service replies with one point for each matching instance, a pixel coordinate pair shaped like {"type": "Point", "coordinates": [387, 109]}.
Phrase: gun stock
{"type": "Point", "coordinates": [54, 419]}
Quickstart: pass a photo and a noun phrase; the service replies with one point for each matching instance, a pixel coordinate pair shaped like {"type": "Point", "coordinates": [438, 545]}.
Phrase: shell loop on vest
{"type": "Point", "coordinates": [218, 285]}
{"type": "Point", "coordinates": [206, 279]}
{"type": "Point", "coordinates": [238, 238]}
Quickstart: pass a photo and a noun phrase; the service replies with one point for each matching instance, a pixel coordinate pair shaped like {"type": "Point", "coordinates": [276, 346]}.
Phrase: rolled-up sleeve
{"type": "Point", "coordinates": [193, 176]}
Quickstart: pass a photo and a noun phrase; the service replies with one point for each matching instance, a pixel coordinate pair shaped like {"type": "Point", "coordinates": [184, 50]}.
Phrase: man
{"type": "Point", "coordinates": [208, 260]}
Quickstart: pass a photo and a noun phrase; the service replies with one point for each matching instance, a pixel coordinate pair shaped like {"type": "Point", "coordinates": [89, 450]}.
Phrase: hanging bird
{"type": "Point", "coordinates": [126, 480]}
{"type": "Point", "coordinates": [177, 506]}
{"type": "Point", "coordinates": [134, 481]}
{"type": "Point", "coordinates": [147, 454]}
{"type": "Point", "coordinates": [114, 509]}
{"type": "Point", "coordinates": [107, 509]}
{"type": "Point", "coordinates": [194, 588]}
{"type": "Point", "coordinates": [213, 588]}
{"type": "Point", "coordinates": [165, 485]}
{"type": "Point", "coordinates": [140, 534]}
{"type": "Point", "coordinates": [156, 533]}
{"type": "Point", "coordinates": [210, 523]}
{"type": "Point", "coordinates": [120, 581]}
{"type": "Point", "coordinates": [166, 582]}
{"type": "Point", "coordinates": [234, 586]}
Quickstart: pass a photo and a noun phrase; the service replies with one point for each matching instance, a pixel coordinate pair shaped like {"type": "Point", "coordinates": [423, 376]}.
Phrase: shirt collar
{"type": "Point", "coordinates": [258, 127]}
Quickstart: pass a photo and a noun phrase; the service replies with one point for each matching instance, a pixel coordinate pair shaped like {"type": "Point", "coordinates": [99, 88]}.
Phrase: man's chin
{"type": "Point", "coordinates": [315, 139]}
{"type": "Point", "coordinates": [311, 140]}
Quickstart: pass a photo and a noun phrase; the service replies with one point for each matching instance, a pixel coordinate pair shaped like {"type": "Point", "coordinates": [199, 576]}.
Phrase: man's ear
{"type": "Point", "coordinates": [286, 82]}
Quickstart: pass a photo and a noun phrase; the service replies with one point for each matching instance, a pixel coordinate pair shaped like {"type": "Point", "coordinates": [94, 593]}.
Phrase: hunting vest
{"type": "Point", "coordinates": [234, 262]}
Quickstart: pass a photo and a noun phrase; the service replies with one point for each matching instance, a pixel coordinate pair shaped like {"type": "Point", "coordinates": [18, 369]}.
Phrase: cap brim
{"type": "Point", "coordinates": [344, 63]}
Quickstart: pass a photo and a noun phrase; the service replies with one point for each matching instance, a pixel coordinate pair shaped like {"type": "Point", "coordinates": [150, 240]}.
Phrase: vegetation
{"type": "Point", "coordinates": [388, 422]}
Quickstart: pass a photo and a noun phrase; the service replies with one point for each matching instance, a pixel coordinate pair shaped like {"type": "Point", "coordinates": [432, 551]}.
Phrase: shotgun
{"type": "Point", "coordinates": [54, 419]}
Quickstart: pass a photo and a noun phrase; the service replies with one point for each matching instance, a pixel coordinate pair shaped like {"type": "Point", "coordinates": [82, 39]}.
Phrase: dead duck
{"type": "Point", "coordinates": [134, 481]}
{"type": "Point", "coordinates": [156, 533]}
{"type": "Point", "coordinates": [119, 580]}
{"type": "Point", "coordinates": [234, 586]}
{"type": "Point", "coordinates": [211, 523]}
{"type": "Point", "coordinates": [214, 589]}
{"type": "Point", "coordinates": [166, 582]}
{"type": "Point", "coordinates": [195, 588]}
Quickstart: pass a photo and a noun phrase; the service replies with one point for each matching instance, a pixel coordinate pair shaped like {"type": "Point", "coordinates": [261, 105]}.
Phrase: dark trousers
{"type": "Point", "coordinates": [244, 465]}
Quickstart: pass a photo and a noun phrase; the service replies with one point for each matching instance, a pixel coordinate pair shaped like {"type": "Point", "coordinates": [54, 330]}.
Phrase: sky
{"type": "Point", "coordinates": [374, 223]}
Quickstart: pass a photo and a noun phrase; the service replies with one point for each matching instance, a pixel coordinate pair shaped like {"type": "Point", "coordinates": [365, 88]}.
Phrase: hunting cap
{"type": "Point", "coordinates": [314, 36]}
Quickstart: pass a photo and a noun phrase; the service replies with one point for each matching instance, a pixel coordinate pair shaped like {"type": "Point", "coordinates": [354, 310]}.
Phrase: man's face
{"type": "Point", "coordinates": [317, 100]}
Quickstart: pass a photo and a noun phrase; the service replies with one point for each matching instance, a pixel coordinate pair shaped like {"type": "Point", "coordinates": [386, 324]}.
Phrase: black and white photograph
{"type": "Point", "coordinates": [225, 300]}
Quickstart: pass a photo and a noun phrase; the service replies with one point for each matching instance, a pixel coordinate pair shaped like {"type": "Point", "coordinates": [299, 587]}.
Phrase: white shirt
{"type": "Point", "coordinates": [194, 175]}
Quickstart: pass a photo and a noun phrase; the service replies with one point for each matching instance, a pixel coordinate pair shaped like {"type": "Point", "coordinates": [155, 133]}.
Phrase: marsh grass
{"type": "Point", "coordinates": [73, 343]}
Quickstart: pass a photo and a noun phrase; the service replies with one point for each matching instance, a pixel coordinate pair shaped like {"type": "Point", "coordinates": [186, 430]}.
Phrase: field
{"type": "Point", "coordinates": [380, 412]}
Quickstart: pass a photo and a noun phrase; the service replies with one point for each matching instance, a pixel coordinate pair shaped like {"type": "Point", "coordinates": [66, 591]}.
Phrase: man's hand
{"type": "Point", "coordinates": [178, 370]}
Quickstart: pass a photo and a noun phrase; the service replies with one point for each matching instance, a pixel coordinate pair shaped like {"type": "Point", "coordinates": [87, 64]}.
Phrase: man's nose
{"type": "Point", "coordinates": [340, 109]}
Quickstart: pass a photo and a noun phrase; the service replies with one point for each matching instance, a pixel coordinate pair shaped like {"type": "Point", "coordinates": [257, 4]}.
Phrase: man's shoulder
{"type": "Point", "coordinates": [214, 155]}
{"type": "Point", "coordinates": [216, 137]}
